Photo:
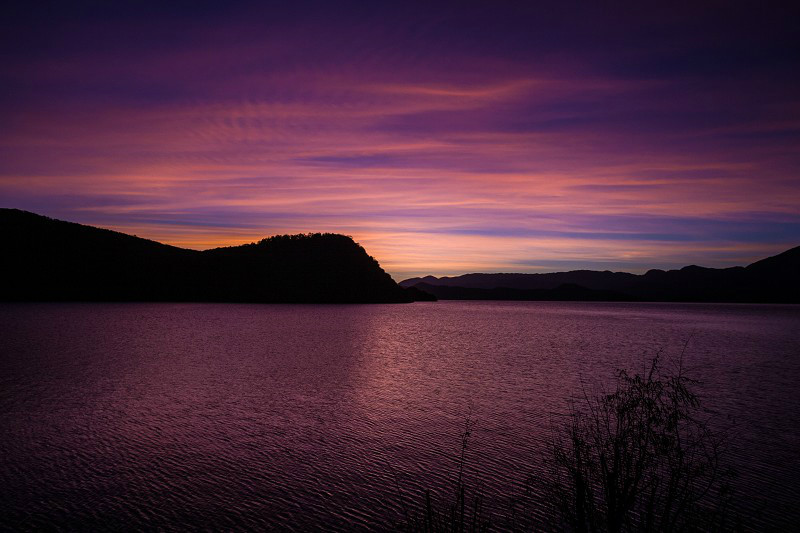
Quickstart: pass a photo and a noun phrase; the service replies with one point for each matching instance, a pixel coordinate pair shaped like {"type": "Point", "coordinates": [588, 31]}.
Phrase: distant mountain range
{"type": "Point", "coordinates": [52, 260]}
{"type": "Point", "coordinates": [771, 280]}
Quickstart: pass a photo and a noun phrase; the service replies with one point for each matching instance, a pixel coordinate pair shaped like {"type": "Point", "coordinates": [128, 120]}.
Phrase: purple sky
{"type": "Point", "coordinates": [473, 136]}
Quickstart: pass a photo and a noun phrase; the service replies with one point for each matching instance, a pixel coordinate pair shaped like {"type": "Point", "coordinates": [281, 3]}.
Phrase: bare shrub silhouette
{"type": "Point", "coordinates": [641, 458]}
{"type": "Point", "coordinates": [465, 512]}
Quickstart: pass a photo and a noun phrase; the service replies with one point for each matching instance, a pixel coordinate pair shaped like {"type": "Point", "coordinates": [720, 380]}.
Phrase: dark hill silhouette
{"type": "Point", "coordinates": [48, 260]}
{"type": "Point", "coordinates": [566, 292]}
{"type": "Point", "coordinates": [771, 280]}
{"type": "Point", "coordinates": [586, 278]}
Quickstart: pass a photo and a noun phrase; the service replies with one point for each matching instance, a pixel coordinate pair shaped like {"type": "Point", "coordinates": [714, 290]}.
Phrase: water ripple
{"type": "Point", "coordinates": [254, 417]}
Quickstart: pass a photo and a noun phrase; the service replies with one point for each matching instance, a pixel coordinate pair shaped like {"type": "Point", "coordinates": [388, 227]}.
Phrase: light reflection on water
{"type": "Point", "coordinates": [265, 416]}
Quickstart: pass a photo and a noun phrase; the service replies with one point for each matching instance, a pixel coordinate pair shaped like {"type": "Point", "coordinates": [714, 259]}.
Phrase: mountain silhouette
{"type": "Point", "coordinates": [566, 292]}
{"type": "Point", "coordinates": [52, 260]}
{"type": "Point", "coordinates": [771, 280]}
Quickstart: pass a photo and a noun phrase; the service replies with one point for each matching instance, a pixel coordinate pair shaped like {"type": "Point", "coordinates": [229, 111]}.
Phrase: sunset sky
{"type": "Point", "coordinates": [470, 137]}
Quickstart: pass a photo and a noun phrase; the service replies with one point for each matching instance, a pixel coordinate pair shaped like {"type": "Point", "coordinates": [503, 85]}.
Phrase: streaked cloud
{"type": "Point", "coordinates": [444, 140]}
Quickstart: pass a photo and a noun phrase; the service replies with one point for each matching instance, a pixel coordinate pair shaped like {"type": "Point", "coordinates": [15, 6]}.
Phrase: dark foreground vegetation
{"type": "Point", "coordinates": [640, 458]}
{"type": "Point", "coordinates": [771, 280]}
{"type": "Point", "coordinates": [52, 260]}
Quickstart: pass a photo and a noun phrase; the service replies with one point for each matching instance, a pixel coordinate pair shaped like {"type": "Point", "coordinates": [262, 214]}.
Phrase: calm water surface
{"type": "Point", "coordinates": [173, 416]}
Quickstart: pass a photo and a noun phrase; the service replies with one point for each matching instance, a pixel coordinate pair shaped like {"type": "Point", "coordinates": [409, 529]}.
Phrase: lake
{"type": "Point", "coordinates": [220, 416]}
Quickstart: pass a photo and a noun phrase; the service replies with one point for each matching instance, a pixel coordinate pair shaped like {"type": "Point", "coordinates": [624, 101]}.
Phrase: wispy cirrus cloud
{"type": "Point", "coordinates": [444, 141]}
